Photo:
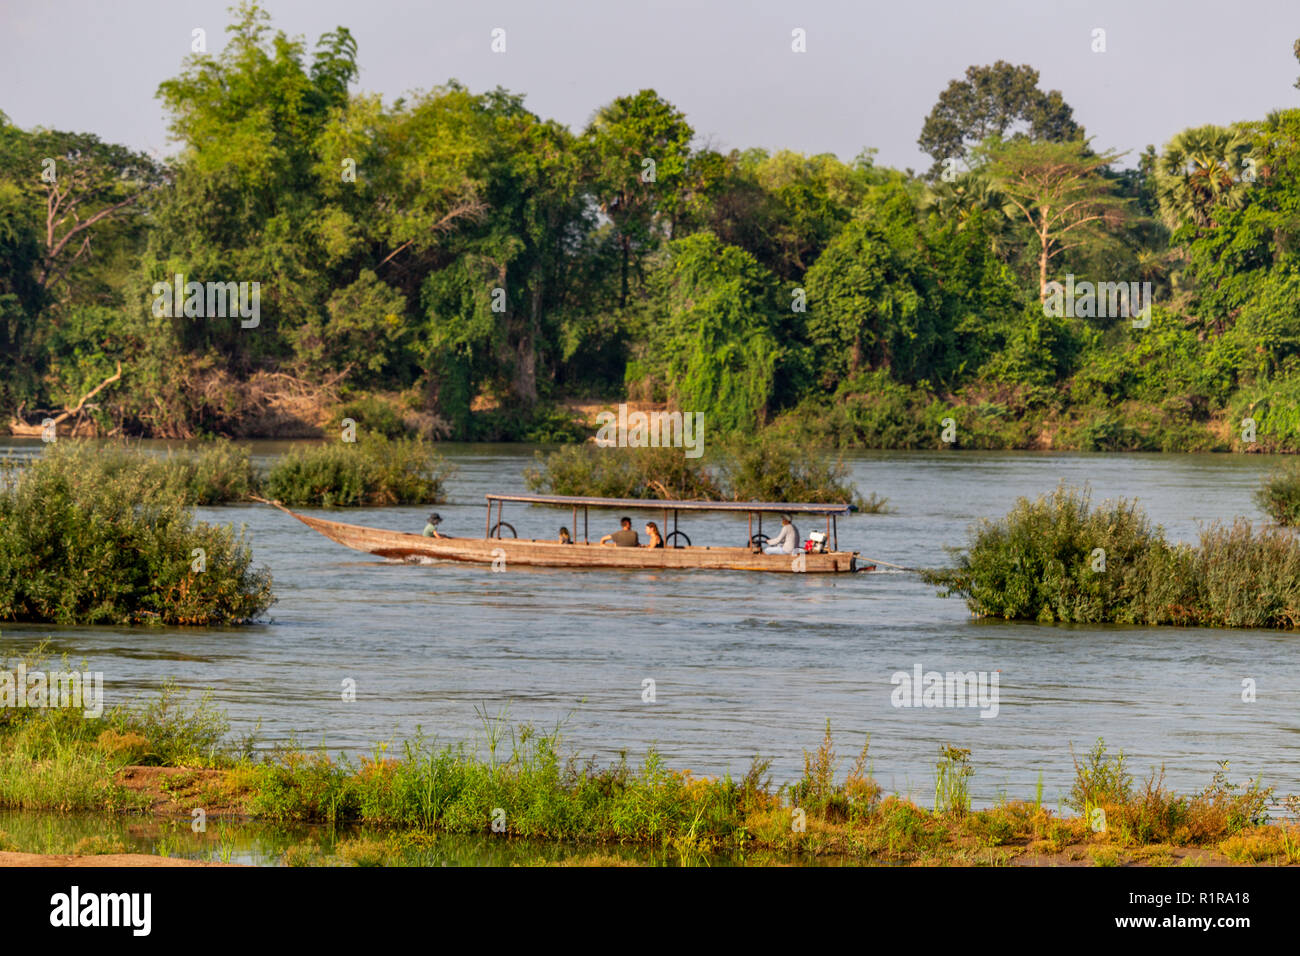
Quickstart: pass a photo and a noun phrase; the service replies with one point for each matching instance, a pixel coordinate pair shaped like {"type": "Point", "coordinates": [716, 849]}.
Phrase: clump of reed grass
{"type": "Point", "coordinates": [371, 472]}
{"type": "Point", "coordinates": [1060, 559]}
{"type": "Point", "coordinates": [94, 535]}
{"type": "Point", "coordinates": [622, 473]}
{"type": "Point", "coordinates": [172, 728]}
{"type": "Point", "coordinates": [1279, 495]}
{"type": "Point", "coordinates": [214, 473]}
{"type": "Point", "coordinates": [775, 469]}
{"type": "Point", "coordinates": [768, 468]}
{"type": "Point", "coordinates": [952, 781]}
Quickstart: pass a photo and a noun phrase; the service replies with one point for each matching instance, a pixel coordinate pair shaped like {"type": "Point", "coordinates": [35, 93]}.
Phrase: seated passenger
{"type": "Point", "coordinates": [625, 537]}
{"type": "Point", "coordinates": [564, 536]}
{"type": "Point", "coordinates": [431, 529]}
{"type": "Point", "coordinates": [652, 532]}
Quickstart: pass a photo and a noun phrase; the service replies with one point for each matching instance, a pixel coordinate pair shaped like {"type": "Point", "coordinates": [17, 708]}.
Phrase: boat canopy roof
{"type": "Point", "coordinates": [660, 504]}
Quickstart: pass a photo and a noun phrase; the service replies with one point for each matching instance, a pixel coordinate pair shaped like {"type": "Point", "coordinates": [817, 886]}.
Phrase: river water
{"type": "Point", "coordinates": [742, 664]}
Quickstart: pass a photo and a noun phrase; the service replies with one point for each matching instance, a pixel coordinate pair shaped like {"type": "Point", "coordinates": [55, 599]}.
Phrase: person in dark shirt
{"type": "Point", "coordinates": [652, 532]}
{"type": "Point", "coordinates": [565, 538]}
{"type": "Point", "coordinates": [625, 537]}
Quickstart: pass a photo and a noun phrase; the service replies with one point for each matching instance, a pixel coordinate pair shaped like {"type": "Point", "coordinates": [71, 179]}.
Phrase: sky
{"type": "Point", "coordinates": [871, 72]}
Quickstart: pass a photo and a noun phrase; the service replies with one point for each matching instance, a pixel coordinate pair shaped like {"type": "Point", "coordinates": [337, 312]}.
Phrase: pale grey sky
{"type": "Point", "coordinates": [871, 72]}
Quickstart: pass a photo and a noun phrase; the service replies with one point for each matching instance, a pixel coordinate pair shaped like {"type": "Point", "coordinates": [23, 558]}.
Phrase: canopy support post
{"type": "Point", "coordinates": [487, 521]}
{"type": "Point", "coordinates": [835, 539]}
{"type": "Point", "coordinates": [575, 523]}
{"type": "Point", "coordinates": [584, 525]}
{"type": "Point", "coordinates": [749, 541]}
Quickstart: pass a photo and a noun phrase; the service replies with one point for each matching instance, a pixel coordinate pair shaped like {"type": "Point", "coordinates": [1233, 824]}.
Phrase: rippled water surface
{"type": "Point", "coordinates": [743, 664]}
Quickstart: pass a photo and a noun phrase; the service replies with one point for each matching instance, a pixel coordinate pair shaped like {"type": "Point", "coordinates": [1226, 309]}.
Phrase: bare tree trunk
{"type": "Point", "coordinates": [20, 427]}
{"type": "Point", "coordinates": [1042, 269]}
{"type": "Point", "coordinates": [526, 349]}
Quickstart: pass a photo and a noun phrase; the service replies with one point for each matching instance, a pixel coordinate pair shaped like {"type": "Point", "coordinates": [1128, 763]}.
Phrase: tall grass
{"type": "Point", "coordinates": [623, 473]}
{"type": "Point", "coordinates": [94, 535]}
{"type": "Point", "coordinates": [773, 469]}
{"type": "Point", "coordinates": [1060, 559]}
{"type": "Point", "coordinates": [212, 474]}
{"type": "Point", "coordinates": [373, 471]}
{"type": "Point", "coordinates": [952, 781]}
{"type": "Point", "coordinates": [57, 758]}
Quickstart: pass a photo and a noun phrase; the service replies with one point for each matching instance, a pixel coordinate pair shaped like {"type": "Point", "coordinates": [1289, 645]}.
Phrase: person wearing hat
{"type": "Point", "coordinates": [431, 529]}
{"type": "Point", "coordinates": [787, 542]}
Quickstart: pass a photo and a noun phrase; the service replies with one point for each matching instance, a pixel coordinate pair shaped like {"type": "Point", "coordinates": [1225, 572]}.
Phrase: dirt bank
{"type": "Point", "coordinates": [107, 859]}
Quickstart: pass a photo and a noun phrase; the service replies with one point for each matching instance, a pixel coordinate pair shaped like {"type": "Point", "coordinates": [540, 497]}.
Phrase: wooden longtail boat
{"type": "Point", "coordinates": [495, 547]}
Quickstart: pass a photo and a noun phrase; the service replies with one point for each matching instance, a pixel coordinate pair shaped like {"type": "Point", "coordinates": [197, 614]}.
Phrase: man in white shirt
{"type": "Point", "coordinates": [787, 542]}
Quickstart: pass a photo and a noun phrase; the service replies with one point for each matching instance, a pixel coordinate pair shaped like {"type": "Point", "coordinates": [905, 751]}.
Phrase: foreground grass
{"type": "Point", "coordinates": [55, 759]}
{"type": "Point", "coordinates": [1060, 559]}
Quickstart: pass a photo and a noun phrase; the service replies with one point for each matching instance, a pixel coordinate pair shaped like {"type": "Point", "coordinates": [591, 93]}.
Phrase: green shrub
{"type": "Point", "coordinates": [870, 410]}
{"type": "Point", "coordinates": [1038, 562]}
{"type": "Point", "coordinates": [101, 536]}
{"type": "Point", "coordinates": [372, 471]}
{"type": "Point", "coordinates": [1274, 406]}
{"type": "Point", "coordinates": [1058, 559]}
{"type": "Point", "coordinates": [622, 473]}
{"type": "Point", "coordinates": [1100, 780]}
{"type": "Point", "coordinates": [373, 415]}
{"type": "Point", "coordinates": [212, 474]}
{"type": "Point", "coordinates": [768, 468]}
{"type": "Point", "coordinates": [542, 424]}
{"type": "Point", "coordinates": [1279, 495]}
{"type": "Point", "coordinates": [772, 469]}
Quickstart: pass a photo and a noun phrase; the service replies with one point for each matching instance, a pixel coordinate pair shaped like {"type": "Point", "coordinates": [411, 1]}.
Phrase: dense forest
{"type": "Point", "coordinates": [453, 265]}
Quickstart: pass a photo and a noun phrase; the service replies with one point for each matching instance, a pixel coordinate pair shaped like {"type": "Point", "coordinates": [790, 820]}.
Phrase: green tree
{"type": "Point", "coordinates": [73, 217]}
{"type": "Point", "coordinates": [637, 150]}
{"type": "Point", "coordinates": [991, 101]}
{"type": "Point", "coordinates": [249, 203]}
{"type": "Point", "coordinates": [717, 344]}
{"type": "Point", "coordinates": [1237, 266]}
{"type": "Point", "coordinates": [873, 303]}
{"type": "Point", "coordinates": [1060, 194]}
{"type": "Point", "coordinates": [1200, 169]}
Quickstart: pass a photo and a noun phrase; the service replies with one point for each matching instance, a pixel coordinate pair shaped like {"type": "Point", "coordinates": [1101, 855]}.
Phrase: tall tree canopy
{"type": "Point", "coordinates": [999, 100]}
{"type": "Point", "coordinates": [1059, 192]}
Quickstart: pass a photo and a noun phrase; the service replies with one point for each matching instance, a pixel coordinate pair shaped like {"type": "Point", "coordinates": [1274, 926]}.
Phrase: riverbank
{"type": "Point", "coordinates": [898, 833]}
{"type": "Point", "coordinates": [107, 860]}
{"type": "Point", "coordinates": [169, 762]}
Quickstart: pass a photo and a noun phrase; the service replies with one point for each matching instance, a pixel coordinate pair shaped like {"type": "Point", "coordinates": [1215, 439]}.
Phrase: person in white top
{"type": "Point", "coordinates": [787, 542]}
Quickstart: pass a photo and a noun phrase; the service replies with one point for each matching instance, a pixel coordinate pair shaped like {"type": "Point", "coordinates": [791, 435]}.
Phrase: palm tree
{"type": "Point", "coordinates": [968, 196]}
{"type": "Point", "coordinates": [1200, 169]}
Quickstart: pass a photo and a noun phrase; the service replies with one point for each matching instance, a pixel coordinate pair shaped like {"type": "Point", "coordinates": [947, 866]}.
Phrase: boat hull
{"type": "Point", "coordinates": [549, 554]}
